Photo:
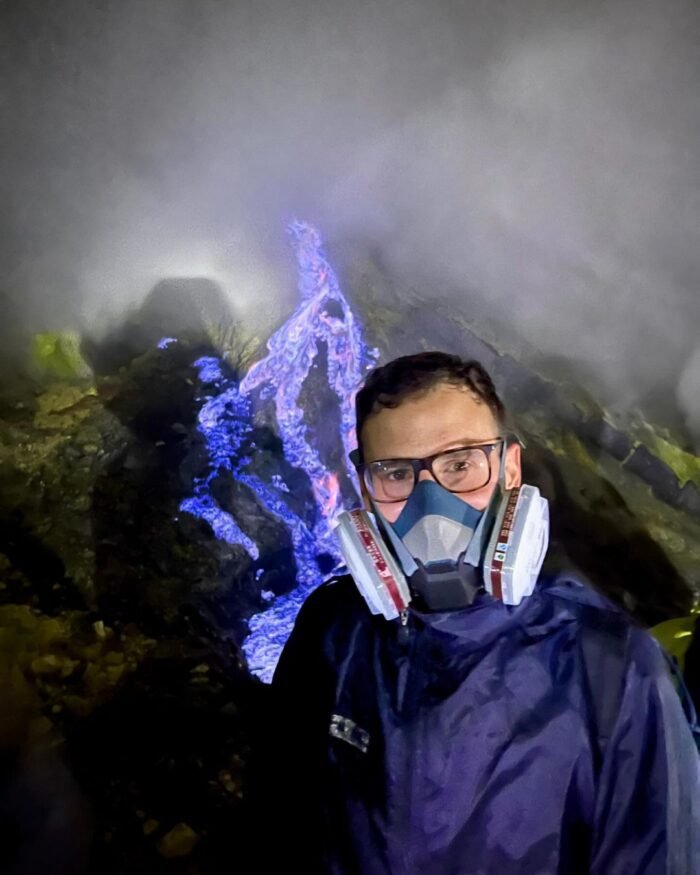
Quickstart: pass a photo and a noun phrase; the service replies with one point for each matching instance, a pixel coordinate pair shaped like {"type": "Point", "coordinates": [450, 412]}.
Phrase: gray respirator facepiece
{"type": "Point", "coordinates": [442, 552]}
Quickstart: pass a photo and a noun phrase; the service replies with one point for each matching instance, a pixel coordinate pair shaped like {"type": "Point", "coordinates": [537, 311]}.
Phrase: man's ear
{"type": "Point", "coordinates": [355, 457]}
{"type": "Point", "coordinates": [513, 473]}
{"type": "Point", "coordinates": [365, 496]}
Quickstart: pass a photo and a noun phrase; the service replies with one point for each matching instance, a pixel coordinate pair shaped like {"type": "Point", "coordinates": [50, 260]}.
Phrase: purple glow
{"type": "Point", "coordinates": [209, 369]}
{"type": "Point", "coordinates": [292, 351]}
{"type": "Point", "coordinates": [225, 419]}
{"type": "Point", "coordinates": [224, 422]}
{"type": "Point", "coordinates": [165, 342]}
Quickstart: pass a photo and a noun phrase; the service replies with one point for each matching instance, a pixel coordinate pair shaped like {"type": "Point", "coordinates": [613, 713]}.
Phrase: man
{"type": "Point", "coordinates": [468, 734]}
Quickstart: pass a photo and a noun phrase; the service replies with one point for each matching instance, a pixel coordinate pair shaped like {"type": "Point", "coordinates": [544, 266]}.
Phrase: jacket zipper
{"type": "Point", "coordinates": [407, 637]}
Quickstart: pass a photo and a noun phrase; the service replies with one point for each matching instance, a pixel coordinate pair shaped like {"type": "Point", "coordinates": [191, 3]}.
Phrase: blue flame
{"type": "Point", "coordinates": [323, 316]}
{"type": "Point", "coordinates": [291, 353]}
{"type": "Point", "coordinates": [224, 420]}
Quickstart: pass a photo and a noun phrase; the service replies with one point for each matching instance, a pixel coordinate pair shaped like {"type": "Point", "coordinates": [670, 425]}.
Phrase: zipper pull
{"type": "Point", "coordinates": [404, 634]}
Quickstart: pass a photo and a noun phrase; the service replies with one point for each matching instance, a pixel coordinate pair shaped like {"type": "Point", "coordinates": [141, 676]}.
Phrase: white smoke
{"type": "Point", "coordinates": [536, 162]}
{"type": "Point", "coordinates": [689, 395]}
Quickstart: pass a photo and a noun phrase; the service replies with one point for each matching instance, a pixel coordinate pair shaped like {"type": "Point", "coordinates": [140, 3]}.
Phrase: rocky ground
{"type": "Point", "coordinates": [120, 621]}
{"type": "Point", "coordinates": [154, 732]}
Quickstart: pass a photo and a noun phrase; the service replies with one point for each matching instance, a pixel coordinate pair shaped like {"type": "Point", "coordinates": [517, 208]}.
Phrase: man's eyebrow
{"type": "Point", "coordinates": [455, 444]}
{"type": "Point", "coordinates": [473, 442]}
{"type": "Point", "coordinates": [458, 443]}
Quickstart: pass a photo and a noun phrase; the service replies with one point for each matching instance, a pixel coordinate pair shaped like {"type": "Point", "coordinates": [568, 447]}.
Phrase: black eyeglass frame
{"type": "Point", "coordinates": [426, 464]}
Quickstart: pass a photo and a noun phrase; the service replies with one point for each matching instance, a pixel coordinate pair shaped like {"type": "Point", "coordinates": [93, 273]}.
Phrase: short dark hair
{"type": "Point", "coordinates": [392, 383]}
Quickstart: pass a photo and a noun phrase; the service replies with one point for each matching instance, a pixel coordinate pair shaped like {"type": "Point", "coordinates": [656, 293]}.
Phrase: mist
{"type": "Point", "coordinates": [536, 163]}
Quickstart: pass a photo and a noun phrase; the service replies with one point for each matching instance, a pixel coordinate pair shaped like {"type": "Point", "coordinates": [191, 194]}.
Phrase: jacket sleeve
{"type": "Point", "coordinates": [289, 752]}
{"type": "Point", "coordinates": [647, 817]}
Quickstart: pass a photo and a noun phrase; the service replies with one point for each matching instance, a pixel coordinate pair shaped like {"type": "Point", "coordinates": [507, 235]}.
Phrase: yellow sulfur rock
{"type": "Point", "coordinates": [150, 826]}
{"type": "Point", "coordinates": [179, 842]}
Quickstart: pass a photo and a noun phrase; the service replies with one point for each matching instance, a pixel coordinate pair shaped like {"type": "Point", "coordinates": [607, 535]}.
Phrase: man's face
{"type": "Point", "coordinates": [438, 419]}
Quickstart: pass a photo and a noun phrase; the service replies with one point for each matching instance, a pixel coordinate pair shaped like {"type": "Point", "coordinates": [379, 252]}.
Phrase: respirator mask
{"type": "Point", "coordinates": [441, 551]}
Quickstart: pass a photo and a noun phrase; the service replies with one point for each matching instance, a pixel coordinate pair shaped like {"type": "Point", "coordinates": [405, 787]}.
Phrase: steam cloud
{"type": "Point", "coordinates": [534, 162]}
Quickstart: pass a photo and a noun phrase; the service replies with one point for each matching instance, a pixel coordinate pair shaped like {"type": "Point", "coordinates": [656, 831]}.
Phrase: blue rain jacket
{"type": "Point", "coordinates": [472, 742]}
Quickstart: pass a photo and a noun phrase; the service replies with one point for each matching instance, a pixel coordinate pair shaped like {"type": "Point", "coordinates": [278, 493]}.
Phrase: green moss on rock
{"type": "Point", "coordinates": [57, 354]}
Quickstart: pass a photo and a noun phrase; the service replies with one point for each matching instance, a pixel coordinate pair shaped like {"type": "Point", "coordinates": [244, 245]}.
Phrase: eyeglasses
{"type": "Point", "coordinates": [464, 469]}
